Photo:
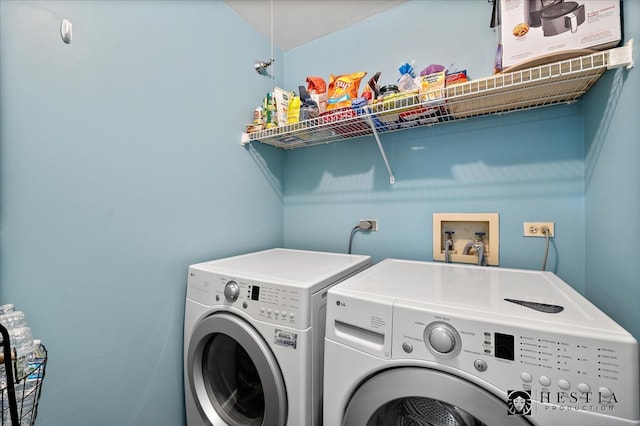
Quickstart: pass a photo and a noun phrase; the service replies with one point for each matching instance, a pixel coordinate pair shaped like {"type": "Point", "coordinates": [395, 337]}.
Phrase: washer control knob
{"type": "Point", "coordinates": [231, 291]}
{"type": "Point", "coordinates": [407, 347]}
{"type": "Point", "coordinates": [442, 339]}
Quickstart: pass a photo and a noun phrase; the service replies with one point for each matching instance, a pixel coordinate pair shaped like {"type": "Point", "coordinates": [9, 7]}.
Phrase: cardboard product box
{"type": "Point", "coordinates": [531, 29]}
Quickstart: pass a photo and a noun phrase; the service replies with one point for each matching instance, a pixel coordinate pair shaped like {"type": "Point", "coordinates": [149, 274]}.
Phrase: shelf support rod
{"type": "Point", "coordinates": [392, 178]}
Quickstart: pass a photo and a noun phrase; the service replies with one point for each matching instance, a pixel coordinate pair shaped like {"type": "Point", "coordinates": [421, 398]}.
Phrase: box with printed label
{"type": "Point", "coordinates": [534, 28]}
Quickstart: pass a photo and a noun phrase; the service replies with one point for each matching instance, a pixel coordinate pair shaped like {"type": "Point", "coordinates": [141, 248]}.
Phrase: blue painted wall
{"type": "Point", "coordinates": [526, 166]}
{"type": "Point", "coordinates": [573, 165]}
{"type": "Point", "coordinates": [612, 136]}
{"type": "Point", "coordinates": [121, 164]}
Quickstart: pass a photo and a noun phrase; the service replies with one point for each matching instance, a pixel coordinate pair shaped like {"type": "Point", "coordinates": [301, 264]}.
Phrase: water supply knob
{"type": "Point", "coordinates": [442, 340]}
{"type": "Point", "coordinates": [231, 291]}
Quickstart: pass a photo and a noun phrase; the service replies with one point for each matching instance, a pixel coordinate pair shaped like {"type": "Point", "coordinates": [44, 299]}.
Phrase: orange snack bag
{"type": "Point", "coordinates": [343, 89]}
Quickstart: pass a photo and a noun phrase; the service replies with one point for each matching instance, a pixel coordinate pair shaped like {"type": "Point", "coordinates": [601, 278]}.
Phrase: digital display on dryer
{"type": "Point", "coordinates": [504, 346]}
{"type": "Point", "coordinates": [255, 292]}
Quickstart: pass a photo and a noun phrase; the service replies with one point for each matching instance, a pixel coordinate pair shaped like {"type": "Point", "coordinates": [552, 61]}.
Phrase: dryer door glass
{"type": "Point", "coordinates": [233, 374]}
{"type": "Point", "coordinates": [234, 382]}
{"type": "Point", "coordinates": [412, 396]}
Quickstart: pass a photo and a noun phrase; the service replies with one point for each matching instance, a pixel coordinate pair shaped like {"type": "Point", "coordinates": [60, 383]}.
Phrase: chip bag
{"type": "Point", "coordinates": [317, 88]}
{"type": "Point", "coordinates": [343, 89]}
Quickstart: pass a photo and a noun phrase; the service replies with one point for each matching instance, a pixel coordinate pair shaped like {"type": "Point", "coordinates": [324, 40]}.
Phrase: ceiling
{"type": "Point", "coordinates": [296, 22]}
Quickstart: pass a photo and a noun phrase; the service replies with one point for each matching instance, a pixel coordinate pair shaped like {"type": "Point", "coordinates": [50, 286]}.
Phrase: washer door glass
{"type": "Point", "coordinates": [423, 397]}
{"type": "Point", "coordinates": [233, 374]}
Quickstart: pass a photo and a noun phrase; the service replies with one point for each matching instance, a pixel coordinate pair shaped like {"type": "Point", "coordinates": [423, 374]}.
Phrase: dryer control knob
{"type": "Point", "coordinates": [442, 340]}
{"type": "Point", "coordinates": [231, 291]}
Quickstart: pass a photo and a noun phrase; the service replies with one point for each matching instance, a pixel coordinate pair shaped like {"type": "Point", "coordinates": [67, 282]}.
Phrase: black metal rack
{"type": "Point", "coordinates": [21, 395]}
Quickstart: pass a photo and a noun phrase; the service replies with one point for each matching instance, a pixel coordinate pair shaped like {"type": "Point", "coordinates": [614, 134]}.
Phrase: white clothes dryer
{"type": "Point", "coordinates": [419, 343]}
{"type": "Point", "coordinates": [254, 336]}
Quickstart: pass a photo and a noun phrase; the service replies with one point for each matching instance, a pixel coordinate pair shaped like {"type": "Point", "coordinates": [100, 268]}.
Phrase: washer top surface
{"type": "Point", "coordinates": [480, 292]}
{"type": "Point", "coordinates": [295, 268]}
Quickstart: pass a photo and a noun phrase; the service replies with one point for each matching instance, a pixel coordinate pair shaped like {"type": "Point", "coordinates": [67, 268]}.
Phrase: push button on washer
{"type": "Point", "coordinates": [480, 365]}
{"type": "Point", "coordinates": [605, 392]}
{"type": "Point", "coordinates": [407, 347]}
{"type": "Point", "coordinates": [544, 381]}
{"type": "Point", "coordinates": [564, 384]}
{"type": "Point", "coordinates": [526, 377]}
{"type": "Point", "coordinates": [584, 388]}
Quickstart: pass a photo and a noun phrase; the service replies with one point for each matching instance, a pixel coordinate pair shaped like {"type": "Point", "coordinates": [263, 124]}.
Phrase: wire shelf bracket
{"type": "Point", "coordinates": [622, 56]}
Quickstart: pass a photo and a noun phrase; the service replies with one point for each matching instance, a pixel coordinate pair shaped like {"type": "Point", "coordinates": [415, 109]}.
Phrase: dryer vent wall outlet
{"type": "Point", "coordinates": [535, 229]}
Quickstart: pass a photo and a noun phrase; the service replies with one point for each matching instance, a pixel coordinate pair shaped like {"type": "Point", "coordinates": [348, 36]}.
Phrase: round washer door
{"type": "Point", "coordinates": [420, 396]}
{"type": "Point", "coordinates": [233, 375]}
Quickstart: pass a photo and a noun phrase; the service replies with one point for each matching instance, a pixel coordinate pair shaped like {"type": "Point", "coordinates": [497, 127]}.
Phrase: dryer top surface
{"type": "Point", "coordinates": [296, 268]}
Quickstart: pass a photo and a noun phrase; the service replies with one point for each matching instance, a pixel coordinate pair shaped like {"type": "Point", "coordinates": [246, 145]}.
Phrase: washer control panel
{"type": "Point", "coordinates": [559, 367]}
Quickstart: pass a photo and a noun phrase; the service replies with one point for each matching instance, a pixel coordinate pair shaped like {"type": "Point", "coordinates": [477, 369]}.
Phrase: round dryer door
{"type": "Point", "coordinates": [233, 375]}
{"type": "Point", "coordinates": [423, 397]}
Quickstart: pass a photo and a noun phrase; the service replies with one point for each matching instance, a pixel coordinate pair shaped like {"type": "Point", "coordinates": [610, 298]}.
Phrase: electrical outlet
{"type": "Point", "coordinates": [534, 229]}
{"type": "Point", "coordinates": [374, 224]}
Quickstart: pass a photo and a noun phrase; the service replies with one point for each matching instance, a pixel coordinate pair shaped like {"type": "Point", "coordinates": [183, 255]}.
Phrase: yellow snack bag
{"type": "Point", "coordinates": [293, 113]}
{"type": "Point", "coordinates": [343, 89]}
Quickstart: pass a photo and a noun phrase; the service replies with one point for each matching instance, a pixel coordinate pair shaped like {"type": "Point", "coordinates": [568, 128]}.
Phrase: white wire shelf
{"type": "Point", "coordinates": [549, 84]}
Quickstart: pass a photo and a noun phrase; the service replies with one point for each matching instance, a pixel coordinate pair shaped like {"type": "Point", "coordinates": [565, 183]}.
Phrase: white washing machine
{"type": "Point", "coordinates": [254, 335]}
{"type": "Point", "coordinates": [417, 343]}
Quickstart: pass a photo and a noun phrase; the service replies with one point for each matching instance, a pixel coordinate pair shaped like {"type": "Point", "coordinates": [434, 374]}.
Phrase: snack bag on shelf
{"type": "Point", "coordinates": [456, 78]}
{"type": "Point", "coordinates": [371, 91]}
{"type": "Point", "coordinates": [282, 98]}
{"type": "Point", "coordinates": [343, 89]}
{"type": "Point", "coordinates": [293, 113]}
{"type": "Point", "coordinates": [308, 107]}
{"type": "Point", "coordinates": [430, 85]}
{"type": "Point", "coordinates": [317, 88]}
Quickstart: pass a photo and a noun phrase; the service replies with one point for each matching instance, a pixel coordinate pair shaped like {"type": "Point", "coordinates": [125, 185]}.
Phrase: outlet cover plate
{"type": "Point", "coordinates": [374, 223]}
{"type": "Point", "coordinates": [534, 229]}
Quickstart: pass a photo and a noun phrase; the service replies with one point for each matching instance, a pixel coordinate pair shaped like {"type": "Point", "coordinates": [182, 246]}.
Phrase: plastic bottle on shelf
{"type": "Point", "coordinates": [270, 111]}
